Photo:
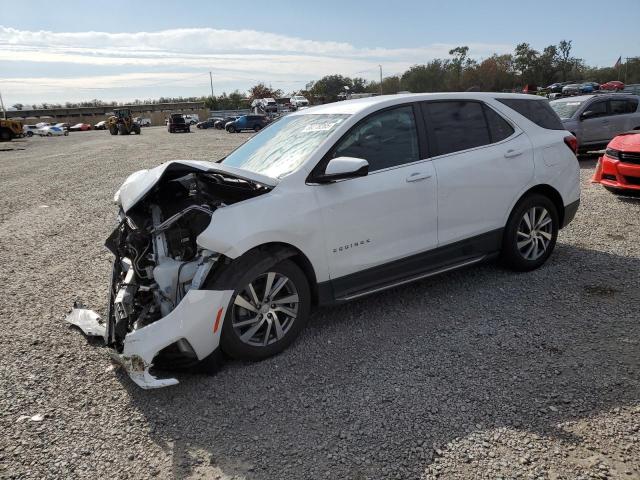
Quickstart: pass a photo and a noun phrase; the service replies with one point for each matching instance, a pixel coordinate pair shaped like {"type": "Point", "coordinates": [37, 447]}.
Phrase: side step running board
{"type": "Point", "coordinates": [414, 278]}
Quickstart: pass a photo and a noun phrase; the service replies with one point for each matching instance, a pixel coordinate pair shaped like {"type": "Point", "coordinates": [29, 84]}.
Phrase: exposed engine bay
{"type": "Point", "coordinates": [162, 307]}
{"type": "Point", "coordinates": [157, 257]}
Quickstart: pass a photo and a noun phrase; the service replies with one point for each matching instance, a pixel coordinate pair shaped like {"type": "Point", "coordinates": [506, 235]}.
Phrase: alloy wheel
{"type": "Point", "coordinates": [535, 233]}
{"type": "Point", "coordinates": [265, 310]}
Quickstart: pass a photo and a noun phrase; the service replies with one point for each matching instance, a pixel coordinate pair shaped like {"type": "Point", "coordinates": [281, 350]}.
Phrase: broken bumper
{"type": "Point", "coordinates": [197, 319]}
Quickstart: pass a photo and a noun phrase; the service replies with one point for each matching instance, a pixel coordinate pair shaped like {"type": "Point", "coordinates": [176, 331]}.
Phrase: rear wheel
{"type": "Point", "coordinates": [29, 133]}
{"type": "Point", "coordinates": [531, 233]}
{"type": "Point", "coordinates": [5, 135]}
{"type": "Point", "coordinates": [257, 128]}
{"type": "Point", "coordinates": [113, 130]}
{"type": "Point", "coordinates": [269, 308]}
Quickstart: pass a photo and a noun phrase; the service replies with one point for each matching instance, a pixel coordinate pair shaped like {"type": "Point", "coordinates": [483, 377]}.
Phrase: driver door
{"type": "Point", "coordinates": [388, 215]}
{"type": "Point", "coordinates": [595, 128]}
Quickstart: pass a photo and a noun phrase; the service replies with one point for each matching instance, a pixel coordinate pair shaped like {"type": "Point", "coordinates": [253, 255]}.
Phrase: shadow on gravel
{"type": "Point", "coordinates": [372, 387]}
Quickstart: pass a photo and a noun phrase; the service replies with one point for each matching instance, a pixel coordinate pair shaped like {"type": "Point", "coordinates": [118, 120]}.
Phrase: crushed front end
{"type": "Point", "coordinates": [160, 310]}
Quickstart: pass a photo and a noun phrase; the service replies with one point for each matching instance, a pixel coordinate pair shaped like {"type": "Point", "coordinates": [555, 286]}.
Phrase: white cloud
{"type": "Point", "coordinates": [237, 57]}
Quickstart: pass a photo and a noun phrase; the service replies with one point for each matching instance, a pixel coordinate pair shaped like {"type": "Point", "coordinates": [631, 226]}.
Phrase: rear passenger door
{"type": "Point", "coordinates": [482, 162]}
{"type": "Point", "coordinates": [623, 116]}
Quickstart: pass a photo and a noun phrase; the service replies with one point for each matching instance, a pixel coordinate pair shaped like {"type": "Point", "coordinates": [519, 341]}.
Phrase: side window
{"type": "Point", "coordinates": [384, 139]}
{"type": "Point", "coordinates": [498, 126]}
{"type": "Point", "coordinates": [536, 110]}
{"type": "Point", "coordinates": [599, 109]}
{"type": "Point", "coordinates": [632, 105]}
{"type": "Point", "coordinates": [457, 125]}
{"type": "Point", "coordinates": [618, 107]}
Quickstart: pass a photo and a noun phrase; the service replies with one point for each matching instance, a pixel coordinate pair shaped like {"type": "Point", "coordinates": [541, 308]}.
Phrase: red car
{"type": "Point", "coordinates": [612, 85]}
{"type": "Point", "coordinates": [80, 127]}
{"type": "Point", "coordinates": [619, 168]}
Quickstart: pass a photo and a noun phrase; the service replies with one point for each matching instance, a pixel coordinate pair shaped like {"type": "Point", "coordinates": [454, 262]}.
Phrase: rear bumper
{"type": "Point", "coordinates": [613, 173]}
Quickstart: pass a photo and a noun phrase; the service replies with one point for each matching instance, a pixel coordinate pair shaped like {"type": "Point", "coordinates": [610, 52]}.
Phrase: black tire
{"type": "Point", "coordinates": [5, 135]}
{"type": "Point", "coordinates": [231, 129]}
{"type": "Point", "coordinates": [237, 277]}
{"type": "Point", "coordinates": [257, 128]}
{"type": "Point", "coordinates": [113, 130]}
{"type": "Point", "coordinates": [511, 255]}
{"type": "Point", "coordinates": [29, 134]}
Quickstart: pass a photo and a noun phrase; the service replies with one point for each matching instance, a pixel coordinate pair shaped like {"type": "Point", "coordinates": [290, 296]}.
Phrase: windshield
{"type": "Point", "coordinates": [565, 109]}
{"type": "Point", "coordinates": [285, 145]}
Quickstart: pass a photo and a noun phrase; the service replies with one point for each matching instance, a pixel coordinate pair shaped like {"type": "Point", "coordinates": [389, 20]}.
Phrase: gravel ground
{"type": "Point", "coordinates": [480, 373]}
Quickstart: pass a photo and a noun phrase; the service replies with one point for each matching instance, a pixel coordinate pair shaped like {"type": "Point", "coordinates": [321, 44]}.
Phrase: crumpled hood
{"type": "Point", "coordinates": [139, 183]}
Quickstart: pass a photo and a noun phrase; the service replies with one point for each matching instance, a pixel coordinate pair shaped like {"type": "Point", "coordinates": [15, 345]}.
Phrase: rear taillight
{"type": "Point", "coordinates": [572, 143]}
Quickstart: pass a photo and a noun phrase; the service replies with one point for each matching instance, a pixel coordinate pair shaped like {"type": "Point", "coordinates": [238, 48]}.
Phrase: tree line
{"type": "Point", "coordinates": [458, 72]}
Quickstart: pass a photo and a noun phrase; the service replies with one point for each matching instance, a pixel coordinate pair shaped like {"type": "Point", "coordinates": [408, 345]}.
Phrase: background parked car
{"type": "Point", "coordinates": [100, 125]}
{"type": "Point", "coordinates": [192, 119]}
{"type": "Point", "coordinates": [571, 89]}
{"type": "Point", "coordinates": [80, 127]}
{"type": "Point", "coordinates": [298, 101]}
{"type": "Point", "coordinates": [612, 85]}
{"type": "Point", "coordinates": [143, 122]}
{"type": "Point", "coordinates": [596, 119]}
{"type": "Point", "coordinates": [29, 130]}
{"type": "Point", "coordinates": [633, 89]}
{"type": "Point", "coordinates": [619, 168]}
{"type": "Point", "coordinates": [220, 124]}
{"type": "Point", "coordinates": [52, 131]}
{"type": "Point", "coordinates": [208, 123]}
{"type": "Point", "coordinates": [64, 126]}
{"type": "Point", "coordinates": [557, 87]}
{"type": "Point", "coordinates": [269, 105]}
{"type": "Point", "coordinates": [177, 123]}
{"type": "Point", "coordinates": [247, 122]}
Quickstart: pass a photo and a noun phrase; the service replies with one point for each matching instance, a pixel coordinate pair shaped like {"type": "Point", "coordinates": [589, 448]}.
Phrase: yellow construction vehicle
{"type": "Point", "coordinates": [10, 129]}
{"type": "Point", "coordinates": [121, 122]}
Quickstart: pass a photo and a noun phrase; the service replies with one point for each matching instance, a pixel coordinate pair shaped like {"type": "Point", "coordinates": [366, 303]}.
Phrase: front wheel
{"type": "Point", "coordinates": [269, 308]}
{"type": "Point", "coordinates": [231, 129]}
{"type": "Point", "coordinates": [257, 128]}
{"type": "Point", "coordinates": [531, 233]}
{"type": "Point", "coordinates": [29, 134]}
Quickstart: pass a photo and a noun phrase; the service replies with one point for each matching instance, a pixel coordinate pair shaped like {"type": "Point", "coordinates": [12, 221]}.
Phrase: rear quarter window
{"type": "Point", "coordinates": [537, 111]}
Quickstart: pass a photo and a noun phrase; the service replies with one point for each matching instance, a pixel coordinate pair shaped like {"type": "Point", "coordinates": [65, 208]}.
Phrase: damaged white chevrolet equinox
{"type": "Point", "coordinates": [326, 205]}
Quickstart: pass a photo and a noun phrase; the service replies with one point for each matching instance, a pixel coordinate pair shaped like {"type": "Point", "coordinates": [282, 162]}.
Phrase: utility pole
{"type": "Point", "coordinates": [4, 112]}
{"type": "Point", "coordinates": [380, 79]}
{"type": "Point", "coordinates": [211, 80]}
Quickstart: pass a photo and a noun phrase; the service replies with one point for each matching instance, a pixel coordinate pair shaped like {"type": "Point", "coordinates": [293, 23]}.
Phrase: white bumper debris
{"type": "Point", "coordinates": [88, 321]}
{"type": "Point", "coordinates": [197, 319]}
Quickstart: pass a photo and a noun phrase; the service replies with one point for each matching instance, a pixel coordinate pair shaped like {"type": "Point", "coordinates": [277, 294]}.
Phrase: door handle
{"type": "Point", "coordinates": [513, 153]}
{"type": "Point", "coordinates": [417, 176]}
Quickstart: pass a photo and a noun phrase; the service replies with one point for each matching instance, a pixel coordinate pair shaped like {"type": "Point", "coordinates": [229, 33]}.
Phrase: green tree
{"type": "Point", "coordinates": [458, 64]}
{"type": "Point", "coordinates": [426, 78]}
{"type": "Point", "coordinates": [525, 62]}
{"type": "Point", "coordinates": [330, 86]}
{"type": "Point", "coordinates": [262, 91]}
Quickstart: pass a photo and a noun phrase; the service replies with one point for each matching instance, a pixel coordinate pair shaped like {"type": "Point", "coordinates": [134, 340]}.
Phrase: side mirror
{"type": "Point", "coordinates": [342, 168]}
{"type": "Point", "coordinates": [587, 114]}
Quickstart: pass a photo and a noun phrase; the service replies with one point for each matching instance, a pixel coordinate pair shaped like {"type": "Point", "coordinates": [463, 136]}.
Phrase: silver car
{"type": "Point", "coordinates": [596, 119]}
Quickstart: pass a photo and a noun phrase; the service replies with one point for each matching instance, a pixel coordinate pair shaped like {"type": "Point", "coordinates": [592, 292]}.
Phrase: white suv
{"type": "Point", "coordinates": [326, 205]}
